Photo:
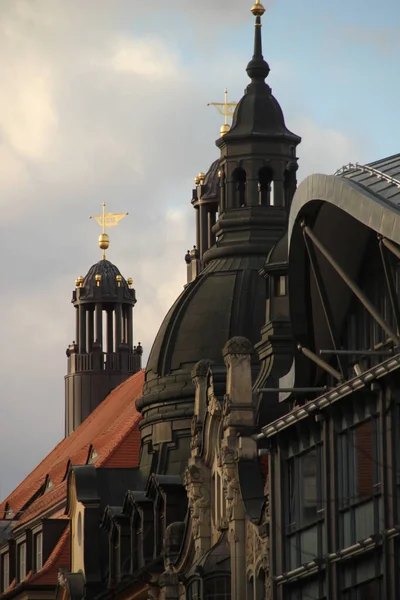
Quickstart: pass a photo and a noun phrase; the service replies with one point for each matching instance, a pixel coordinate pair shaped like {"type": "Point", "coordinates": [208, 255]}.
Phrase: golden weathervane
{"type": "Point", "coordinates": [107, 220]}
{"type": "Point", "coordinates": [226, 109]}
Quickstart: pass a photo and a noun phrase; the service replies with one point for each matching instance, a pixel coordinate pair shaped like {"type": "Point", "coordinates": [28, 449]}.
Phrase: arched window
{"type": "Point", "coordinates": [266, 186]}
{"type": "Point", "coordinates": [250, 589]}
{"type": "Point", "coordinates": [260, 585]}
{"type": "Point", "coordinates": [194, 590]}
{"type": "Point", "coordinates": [218, 586]}
{"type": "Point", "coordinates": [239, 180]}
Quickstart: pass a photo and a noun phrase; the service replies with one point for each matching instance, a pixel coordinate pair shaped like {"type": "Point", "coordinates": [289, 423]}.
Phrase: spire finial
{"type": "Point", "coordinates": [226, 109]}
{"type": "Point", "coordinates": [258, 68]}
{"type": "Point", "coordinates": [107, 220]}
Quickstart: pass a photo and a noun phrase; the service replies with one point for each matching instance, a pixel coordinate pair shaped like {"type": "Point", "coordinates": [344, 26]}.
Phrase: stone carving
{"type": "Point", "coordinates": [196, 428]}
{"type": "Point", "coordinates": [227, 464]}
{"type": "Point", "coordinates": [214, 406]}
{"type": "Point", "coordinates": [196, 481]}
{"type": "Point", "coordinates": [238, 345]}
{"type": "Point", "coordinates": [201, 368]}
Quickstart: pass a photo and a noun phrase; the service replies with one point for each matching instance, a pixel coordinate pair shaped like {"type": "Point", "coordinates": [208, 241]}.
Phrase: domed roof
{"type": "Point", "coordinates": [226, 300]}
{"type": "Point", "coordinates": [279, 253]}
{"type": "Point", "coordinates": [104, 281]}
{"type": "Point", "coordinates": [259, 114]}
{"type": "Point", "coordinates": [211, 182]}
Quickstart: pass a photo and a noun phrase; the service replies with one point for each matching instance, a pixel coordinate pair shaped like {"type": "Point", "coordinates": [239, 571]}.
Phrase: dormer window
{"type": "Point", "coordinates": [93, 456]}
{"type": "Point", "coordinates": [5, 571]}
{"type": "Point", "coordinates": [280, 285]}
{"type": "Point", "coordinates": [8, 513]}
{"type": "Point", "coordinates": [38, 546]}
{"type": "Point", "coordinates": [48, 484]}
{"type": "Point", "coordinates": [21, 554]}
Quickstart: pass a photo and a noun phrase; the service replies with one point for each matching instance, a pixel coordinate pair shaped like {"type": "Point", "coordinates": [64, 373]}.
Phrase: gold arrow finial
{"type": "Point", "coordinates": [107, 220]}
{"type": "Point", "coordinates": [226, 109]}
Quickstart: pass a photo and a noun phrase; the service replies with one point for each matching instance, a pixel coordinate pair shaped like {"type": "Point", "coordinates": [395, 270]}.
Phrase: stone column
{"type": "Point", "coordinates": [237, 413]}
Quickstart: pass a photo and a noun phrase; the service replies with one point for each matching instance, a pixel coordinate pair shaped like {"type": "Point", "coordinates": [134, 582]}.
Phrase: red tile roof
{"type": "Point", "coordinates": [112, 430]}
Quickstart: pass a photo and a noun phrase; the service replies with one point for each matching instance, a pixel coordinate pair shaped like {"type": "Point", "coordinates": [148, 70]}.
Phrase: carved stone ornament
{"type": "Point", "coordinates": [196, 429]}
{"type": "Point", "coordinates": [227, 405]}
{"type": "Point", "coordinates": [198, 493]}
{"type": "Point", "coordinates": [257, 551]}
{"type": "Point", "coordinates": [201, 368]}
{"type": "Point", "coordinates": [238, 345]}
{"type": "Point", "coordinates": [214, 407]}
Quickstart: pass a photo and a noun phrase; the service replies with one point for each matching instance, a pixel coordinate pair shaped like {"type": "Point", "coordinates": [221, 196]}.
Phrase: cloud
{"type": "Point", "coordinates": [325, 150]}
{"type": "Point", "coordinates": [149, 58]}
{"type": "Point", "coordinates": [383, 39]}
{"type": "Point", "coordinates": [102, 101]}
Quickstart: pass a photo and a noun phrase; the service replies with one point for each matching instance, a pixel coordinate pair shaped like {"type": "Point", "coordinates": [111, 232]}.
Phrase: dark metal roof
{"type": "Point", "coordinates": [211, 182]}
{"type": "Point", "coordinates": [109, 288]}
{"type": "Point", "coordinates": [381, 177]}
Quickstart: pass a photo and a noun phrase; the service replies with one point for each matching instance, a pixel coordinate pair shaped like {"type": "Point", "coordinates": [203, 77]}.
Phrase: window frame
{"type": "Point", "coordinates": [5, 581]}
{"type": "Point", "coordinates": [38, 541]}
{"type": "Point", "coordinates": [347, 506]}
{"type": "Point", "coordinates": [21, 572]}
{"type": "Point", "coordinates": [294, 531]}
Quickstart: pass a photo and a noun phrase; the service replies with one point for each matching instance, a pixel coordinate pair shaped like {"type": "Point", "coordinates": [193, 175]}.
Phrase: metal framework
{"type": "Point", "coordinates": [332, 396]}
{"type": "Point", "coordinates": [351, 284]}
{"type": "Point", "coordinates": [353, 167]}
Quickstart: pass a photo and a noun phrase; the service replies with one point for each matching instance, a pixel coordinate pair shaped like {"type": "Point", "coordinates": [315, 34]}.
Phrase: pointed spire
{"type": "Point", "coordinates": [258, 68]}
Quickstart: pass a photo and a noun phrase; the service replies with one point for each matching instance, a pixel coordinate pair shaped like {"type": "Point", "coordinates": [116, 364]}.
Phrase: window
{"type": "Point", "coordinates": [218, 501]}
{"type": "Point", "coordinates": [260, 585]}
{"type": "Point", "coordinates": [280, 285]}
{"type": "Point", "coordinates": [21, 561]}
{"type": "Point", "coordinates": [38, 551]}
{"type": "Point", "coordinates": [266, 186]}
{"type": "Point", "coordinates": [359, 483]}
{"type": "Point", "coordinates": [5, 572]}
{"type": "Point", "coordinates": [310, 589]}
{"type": "Point", "coordinates": [250, 589]}
{"type": "Point", "coordinates": [239, 179]}
{"type": "Point", "coordinates": [369, 590]}
{"type": "Point", "coordinates": [194, 590]}
{"type": "Point", "coordinates": [304, 511]}
{"type": "Point", "coordinates": [217, 588]}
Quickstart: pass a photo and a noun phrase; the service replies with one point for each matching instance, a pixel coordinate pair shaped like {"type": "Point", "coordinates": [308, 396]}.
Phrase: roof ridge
{"type": "Point", "coordinates": [56, 458]}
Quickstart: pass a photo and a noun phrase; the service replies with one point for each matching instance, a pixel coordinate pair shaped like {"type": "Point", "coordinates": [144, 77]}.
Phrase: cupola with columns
{"type": "Point", "coordinates": [102, 355]}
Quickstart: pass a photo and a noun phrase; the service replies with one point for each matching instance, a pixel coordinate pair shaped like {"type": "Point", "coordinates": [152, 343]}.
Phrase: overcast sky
{"type": "Point", "coordinates": [105, 100]}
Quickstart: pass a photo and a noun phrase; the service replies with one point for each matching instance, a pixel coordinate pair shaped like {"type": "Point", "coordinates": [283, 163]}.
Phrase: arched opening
{"type": "Point", "coordinates": [239, 179]}
{"type": "Point", "coordinates": [260, 585]}
{"type": "Point", "coordinates": [218, 586]}
{"type": "Point", "coordinates": [194, 590]}
{"type": "Point", "coordinates": [250, 589]}
{"type": "Point", "coordinates": [266, 186]}
{"type": "Point", "coordinates": [289, 185]}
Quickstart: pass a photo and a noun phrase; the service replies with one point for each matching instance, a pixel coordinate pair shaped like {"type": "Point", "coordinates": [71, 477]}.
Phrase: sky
{"type": "Point", "coordinates": [107, 101]}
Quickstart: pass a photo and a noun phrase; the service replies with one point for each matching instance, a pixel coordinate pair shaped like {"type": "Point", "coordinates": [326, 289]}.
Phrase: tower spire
{"type": "Point", "coordinates": [258, 69]}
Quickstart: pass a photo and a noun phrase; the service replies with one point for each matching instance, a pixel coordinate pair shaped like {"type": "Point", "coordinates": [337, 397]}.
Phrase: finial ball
{"type": "Point", "coordinates": [224, 129]}
{"type": "Point", "coordinates": [104, 241]}
{"type": "Point", "coordinates": [197, 180]}
{"type": "Point", "coordinates": [257, 9]}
